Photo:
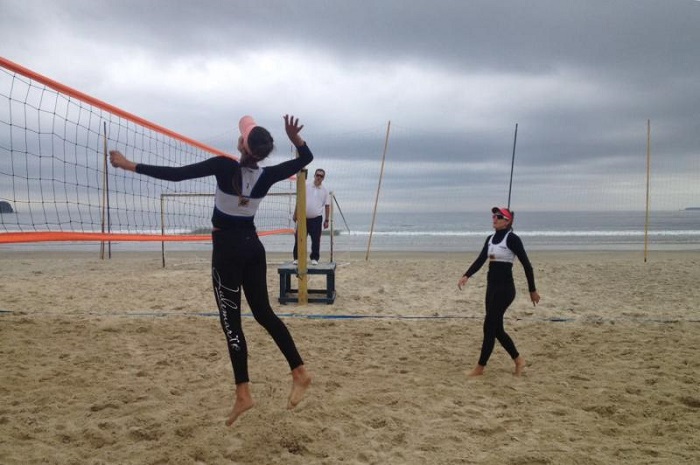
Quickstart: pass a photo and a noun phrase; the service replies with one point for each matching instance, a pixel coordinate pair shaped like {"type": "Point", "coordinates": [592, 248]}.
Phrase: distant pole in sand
{"type": "Point", "coordinates": [379, 186]}
{"type": "Point", "coordinates": [646, 219]}
{"type": "Point", "coordinates": [512, 164]}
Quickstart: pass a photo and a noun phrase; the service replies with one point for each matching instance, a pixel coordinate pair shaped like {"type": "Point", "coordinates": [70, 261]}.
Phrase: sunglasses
{"type": "Point", "coordinates": [320, 176]}
{"type": "Point", "coordinates": [499, 217]}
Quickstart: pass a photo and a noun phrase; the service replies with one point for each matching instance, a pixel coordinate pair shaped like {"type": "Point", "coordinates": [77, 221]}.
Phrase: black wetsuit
{"type": "Point", "coordinates": [500, 291]}
{"type": "Point", "coordinates": [238, 256]}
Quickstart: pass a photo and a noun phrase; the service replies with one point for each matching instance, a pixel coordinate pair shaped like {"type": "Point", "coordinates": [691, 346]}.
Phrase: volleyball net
{"type": "Point", "coordinates": [56, 183]}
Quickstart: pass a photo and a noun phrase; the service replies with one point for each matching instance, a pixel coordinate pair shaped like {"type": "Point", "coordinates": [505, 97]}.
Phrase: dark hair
{"type": "Point", "coordinates": [260, 143]}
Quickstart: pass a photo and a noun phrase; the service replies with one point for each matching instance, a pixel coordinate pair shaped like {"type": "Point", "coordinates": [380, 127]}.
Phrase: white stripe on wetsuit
{"type": "Point", "coordinates": [500, 252]}
{"type": "Point", "coordinates": [231, 204]}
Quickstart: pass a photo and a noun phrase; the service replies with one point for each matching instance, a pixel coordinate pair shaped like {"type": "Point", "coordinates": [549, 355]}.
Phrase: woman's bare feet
{"type": "Point", "coordinates": [477, 371]}
{"type": "Point", "coordinates": [244, 401]}
{"type": "Point", "coordinates": [519, 365]}
{"type": "Point", "coordinates": [301, 380]}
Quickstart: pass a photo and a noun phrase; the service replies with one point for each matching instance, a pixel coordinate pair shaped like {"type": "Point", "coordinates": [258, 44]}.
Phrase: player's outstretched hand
{"type": "Point", "coordinates": [120, 161]}
{"type": "Point", "coordinates": [293, 128]}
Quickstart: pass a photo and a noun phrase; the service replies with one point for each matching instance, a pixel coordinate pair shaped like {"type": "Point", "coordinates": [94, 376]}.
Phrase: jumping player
{"type": "Point", "coordinates": [238, 256]}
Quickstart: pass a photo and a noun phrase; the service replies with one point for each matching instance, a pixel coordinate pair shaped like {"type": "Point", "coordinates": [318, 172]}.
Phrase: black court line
{"type": "Point", "coordinates": [327, 316]}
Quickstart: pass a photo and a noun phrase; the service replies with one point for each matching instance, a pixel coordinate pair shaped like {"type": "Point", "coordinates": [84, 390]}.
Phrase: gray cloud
{"type": "Point", "coordinates": [580, 79]}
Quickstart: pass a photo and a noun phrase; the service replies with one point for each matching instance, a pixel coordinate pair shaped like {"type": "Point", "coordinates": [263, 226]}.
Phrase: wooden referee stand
{"type": "Point", "coordinates": [300, 295]}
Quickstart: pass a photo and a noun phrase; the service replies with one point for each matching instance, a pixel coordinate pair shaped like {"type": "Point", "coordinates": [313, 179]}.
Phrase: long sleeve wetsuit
{"type": "Point", "coordinates": [238, 256]}
{"type": "Point", "coordinates": [500, 288]}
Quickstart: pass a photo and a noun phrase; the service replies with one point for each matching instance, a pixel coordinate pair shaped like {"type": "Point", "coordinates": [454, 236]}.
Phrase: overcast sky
{"type": "Point", "coordinates": [580, 78]}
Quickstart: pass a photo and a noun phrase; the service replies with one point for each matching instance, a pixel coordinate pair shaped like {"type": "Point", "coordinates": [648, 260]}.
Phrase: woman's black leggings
{"type": "Point", "coordinates": [238, 261]}
{"type": "Point", "coordinates": [498, 299]}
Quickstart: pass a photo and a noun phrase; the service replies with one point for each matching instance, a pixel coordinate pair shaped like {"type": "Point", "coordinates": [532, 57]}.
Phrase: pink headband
{"type": "Point", "coordinates": [245, 125]}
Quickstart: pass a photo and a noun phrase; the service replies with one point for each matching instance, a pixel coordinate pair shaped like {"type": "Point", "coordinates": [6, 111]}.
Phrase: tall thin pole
{"type": "Point", "coordinates": [109, 218]}
{"type": "Point", "coordinates": [104, 194]}
{"type": "Point", "coordinates": [162, 228]}
{"type": "Point", "coordinates": [379, 186]}
{"type": "Point", "coordinates": [105, 198]}
{"type": "Point", "coordinates": [646, 219]}
{"type": "Point", "coordinates": [332, 230]}
{"type": "Point", "coordinates": [512, 164]}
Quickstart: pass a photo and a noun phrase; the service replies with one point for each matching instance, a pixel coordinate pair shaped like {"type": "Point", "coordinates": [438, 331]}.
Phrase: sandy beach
{"type": "Point", "coordinates": [122, 361]}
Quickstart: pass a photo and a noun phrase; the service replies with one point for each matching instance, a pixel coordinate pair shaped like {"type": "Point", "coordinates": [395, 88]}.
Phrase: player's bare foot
{"type": "Point", "coordinates": [301, 380]}
{"type": "Point", "coordinates": [519, 366]}
{"type": "Point", "coordinates": [477, 371]}
{"type": "Point", "coordinates": [244, 402]}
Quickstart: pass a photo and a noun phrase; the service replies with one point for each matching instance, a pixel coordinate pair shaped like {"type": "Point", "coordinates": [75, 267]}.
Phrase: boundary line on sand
{"type": "Point", "coordinates": [329, 316]}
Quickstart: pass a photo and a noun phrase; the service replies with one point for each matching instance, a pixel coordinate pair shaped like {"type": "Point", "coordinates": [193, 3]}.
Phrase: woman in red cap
{"type": "Point", "coordinates": [500, 249]}
{"type": "Point", "coordinates": [238, 256]}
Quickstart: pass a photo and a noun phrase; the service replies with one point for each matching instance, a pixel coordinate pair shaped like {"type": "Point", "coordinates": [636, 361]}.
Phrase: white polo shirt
{"type": "Point", "coordinates": [316, 200]}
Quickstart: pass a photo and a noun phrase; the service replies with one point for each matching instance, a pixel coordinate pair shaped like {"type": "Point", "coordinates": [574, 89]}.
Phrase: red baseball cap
{"type": "Point", "coordinates": [503, 211]}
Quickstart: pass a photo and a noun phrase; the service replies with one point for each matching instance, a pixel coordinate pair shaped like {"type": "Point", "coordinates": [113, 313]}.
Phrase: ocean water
{"type": "Point", "coordinates": [467, 231]}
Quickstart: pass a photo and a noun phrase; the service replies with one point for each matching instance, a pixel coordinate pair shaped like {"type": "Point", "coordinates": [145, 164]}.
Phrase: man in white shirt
{"type": "Point", "coordinates": [318, 206]}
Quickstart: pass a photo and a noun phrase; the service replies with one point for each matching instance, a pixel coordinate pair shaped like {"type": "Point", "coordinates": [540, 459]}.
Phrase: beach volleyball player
{"type": "Point", "coordinates": [238, 256]}
{"type": "Point", "coordinates": [500, 249]}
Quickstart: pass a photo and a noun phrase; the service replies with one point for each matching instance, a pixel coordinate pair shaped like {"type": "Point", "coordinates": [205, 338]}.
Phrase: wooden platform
{"type": "Point", "coordinates": [289, 294]}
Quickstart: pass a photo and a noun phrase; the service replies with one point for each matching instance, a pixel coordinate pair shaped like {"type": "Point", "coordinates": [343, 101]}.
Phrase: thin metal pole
{"type": "Point", "coordinates": [109, 218]}
{"type": "Point", "coordinates": [105, 198]}
{"type": "Point", "coordinates": [332, 229]}
{"type": "Point", "coordinates": [646, 219]}
{"type": "Point", "coordinates": [104, 191]}
{"type": "Point", "coordinates": [162, 227]}
{"type": "Point", "coordinates": [512, 164]}
{"type": "Point", "coordinates": [379, 186]}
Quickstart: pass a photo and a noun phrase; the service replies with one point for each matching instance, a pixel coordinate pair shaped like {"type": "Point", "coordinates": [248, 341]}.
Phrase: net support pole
{"type": "Point", "coordinates": [105, 198]}
{"type": "Point", "coordinates": [646, 216]}
{"type": "Point", "coordinates": [162, 228]}
{"type": "Point", "coordinates": [109, 213]}
{"type": "Point", "coordinates": [302, 265]}
{"type": "Point", "coordinates": [379, 187]}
